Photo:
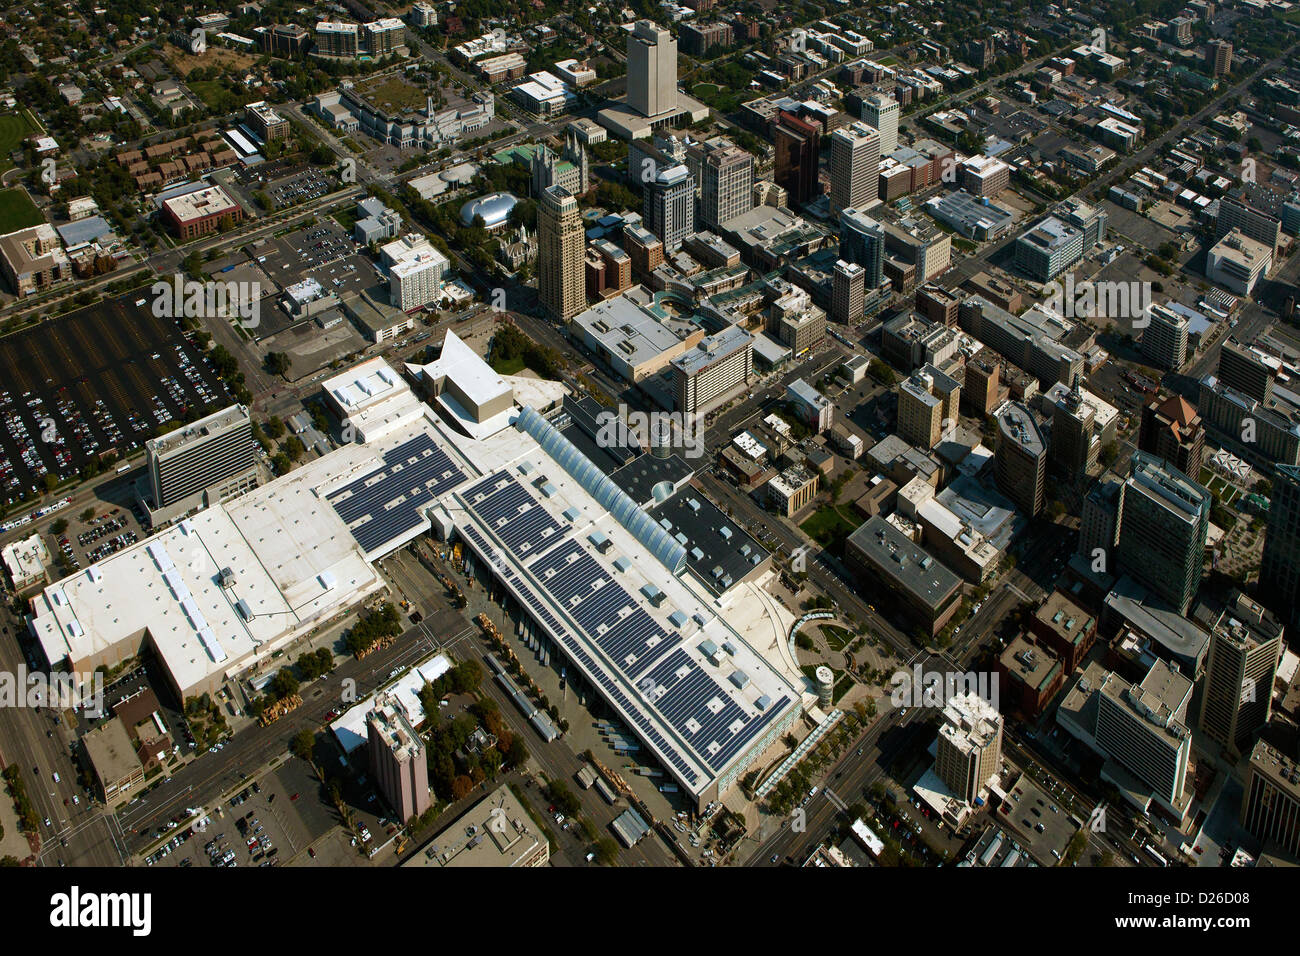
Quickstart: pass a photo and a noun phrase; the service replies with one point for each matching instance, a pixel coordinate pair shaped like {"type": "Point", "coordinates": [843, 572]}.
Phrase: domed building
{"type": "Point", "coordinates": [494, 209]}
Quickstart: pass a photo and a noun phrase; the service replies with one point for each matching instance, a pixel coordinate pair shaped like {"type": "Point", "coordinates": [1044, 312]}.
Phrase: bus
{"type": "Point", "coordinates": [1151, 852]}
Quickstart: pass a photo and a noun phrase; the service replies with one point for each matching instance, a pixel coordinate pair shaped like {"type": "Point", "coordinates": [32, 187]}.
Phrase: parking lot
{"type": "Point", "coordinates": [258, 826]}
{"type": "Point", "coordinates": [101, 379]}
{"type": "Point", "coordinates": [301, 187]}
{"type": "Point", "coordinates": [323, 251]}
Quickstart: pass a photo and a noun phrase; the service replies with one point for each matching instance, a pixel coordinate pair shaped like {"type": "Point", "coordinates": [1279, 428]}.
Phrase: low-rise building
{"type": "Point", "coordinates": [792, 490]}
{"type": "Point", "coordinates": [28, 563]}
{"type": "Point", "coordinates": [1032, 675]}
{"type": "Point", "coordinates": [113, 762]}
{"type": "Point", "coordinates": [928, 593]}
{"type": "Point", "coordinates": [496, 832]}
{"type": "Point", "coordinates": [201, 212]}
{"type": "Point", "coordinates": [33, 259]}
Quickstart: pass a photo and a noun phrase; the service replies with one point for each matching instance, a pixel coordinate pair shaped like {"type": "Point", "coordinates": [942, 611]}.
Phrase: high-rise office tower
{"type": "Point", "coordinates": [1143, 728]}
{"type": "Point", "coordinates": [1082, 425]}
{"type": "Point", "coordinates": [798, 149]}
{"type": "Point", "coordinates": [862, 240]}
{"type": "Point", "coordinates": [1020, 459]}
{"type": "Point", "coordinates": [1245, 647]}
{"type": "Point", "coordinates": [927, 402]}
{"type": "Point", "coordinates": [1279, 572]}
{"type": "Point", "coordinates": [1073, 430]}
{"type": "Point", "coordinates": [651, 69]}
{"type": "Point", "coordinates": [1172, 430]}
{"type": "Point", "coordinates": [1244, 369]}
{"type": "Point", "coordinates": [881, 113]}
{"type": "Point", "coordinates": [1163, 524]}
{"type": "Point", "coordinates": [561, 283]}
{"type": "Point", "coordinates": [1270, 808]}
{"type": "Point", "coordinates": [397, 758]}
{"type": "Point", "coordinates": [725, 176]}
{"type": "Point", "coordinates": [848, 292]}
{"type": "Point", "coordinates": [668, 206]}
{"type": "Point", "coordinates": [216, 455]}
{"type": "Point", "coordinates": [855, 167]}
{"type": "Point", "coordinates": [1218, 57]}
{"type": "Point", "coordinates": [1165, 340]}
{"type": "Point", "coordinates": [969, 749]}
{"type": "Point", "coordinates": [1100, 522]}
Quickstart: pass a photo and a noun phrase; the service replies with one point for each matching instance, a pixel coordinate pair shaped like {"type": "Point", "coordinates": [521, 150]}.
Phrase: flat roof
{"type": "Point", "coordinates": [206, 201]}
{"type": "Point", "coordinates": [713, 349]}
{"type": "Point", "coordinates": [614, 620]}
{"type": "Point", "coordinates": [198, 431]}
{"type": "Point", "coordinates": [1181, 637]}
{"type": "Point", "coordinates": [496, 831]}
{"type": "Point", "coordinates": [907, 564]}
{"type": "Point", "coordinates": [350, 728]}
{"type": "Point", "coordinates": [111, 752]}
{"type": "Point", "coordinates": [627, 329]}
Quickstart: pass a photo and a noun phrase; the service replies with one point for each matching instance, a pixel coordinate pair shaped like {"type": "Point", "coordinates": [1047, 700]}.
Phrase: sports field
{"type": "Point", "coordinates": [17, 211]}
{"type": "Point", "coordinates": [14, 128]}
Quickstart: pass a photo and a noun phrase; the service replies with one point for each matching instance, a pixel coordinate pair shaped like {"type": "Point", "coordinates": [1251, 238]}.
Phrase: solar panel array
{"type": "Point", "coordinates": [648, 656]}
{"type": "Point", "coordinates": [386, 504]}
{"type": "Point", "coordinates": [513, 514]}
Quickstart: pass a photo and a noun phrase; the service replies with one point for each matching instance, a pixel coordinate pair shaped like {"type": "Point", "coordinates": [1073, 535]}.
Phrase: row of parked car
{"type": "Point", "coordinates": [112, 545]}
{"type": "Point", "coordinates": [101, 527]}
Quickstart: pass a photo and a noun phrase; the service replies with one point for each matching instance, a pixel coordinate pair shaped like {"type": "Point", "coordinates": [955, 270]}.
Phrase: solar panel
{"type": "Point", "coordinates": [513, 514]}
{"type": "Point", "coordinates": [386, 503]}
{"type": "Point", "coordinates": [603, 630]}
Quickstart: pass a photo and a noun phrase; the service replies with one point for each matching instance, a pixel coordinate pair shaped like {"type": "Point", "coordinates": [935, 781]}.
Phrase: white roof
{"type": "Point", "coordinates": [350, 729]}
{"type": "Point", "coordinates": [277, 539]}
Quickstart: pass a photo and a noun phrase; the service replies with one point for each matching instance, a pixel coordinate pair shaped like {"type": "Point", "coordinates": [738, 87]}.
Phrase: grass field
{"type": "Point", "coordinates": [828, 528]}
{"type": "Point", "coordinates": [704, 89]}
{"type": "Point", "coordinates": [17, 211]}
{"type": "Point", "coordinates": [836, 637]}
{"type": "Point", "coordinates": [392, 93]}
{"type": "Point", "coordinates": [511, 366]}
{"type": "Point", "coordinates": [14, 128]}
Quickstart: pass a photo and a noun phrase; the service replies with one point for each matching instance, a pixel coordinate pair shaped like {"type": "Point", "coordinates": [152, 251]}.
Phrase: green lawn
{"type": "Point", "coordinates": [346, 217]}
{"type": "Point", "coordinates": [828, 528]}
{"type": "Point", "coordinates": [14, 128]}
{"type": "Point", "coordinates": [836, 637]}
{"type": "Point", "coordinates": [510, 366]}
{"type": "Point", "coordinates": [17, 211]}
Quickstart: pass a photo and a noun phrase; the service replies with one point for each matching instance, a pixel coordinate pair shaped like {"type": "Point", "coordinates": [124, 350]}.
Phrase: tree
{"type": "Point", "coordinates": [461, 787]}
{"type": "Point", "coordinates": [283, 684]}
{"type": "Point", "coordinates": [302, 744]}
{"type": "Point", "coordinates": [275, 428]}
{"type": "Point", "coordinates": [87, 515]}
{"type": "Point", "coordinates": [277, 363]}
{"type": "Point", "coordinates": [606, 851]}
{"type": "Point", "coordinates": [294, 448]}
{"type": "Point", "coordinates": [59, 525]}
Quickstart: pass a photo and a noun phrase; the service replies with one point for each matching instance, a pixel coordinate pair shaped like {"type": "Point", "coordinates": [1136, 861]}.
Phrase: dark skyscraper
{"type": "Point", "coordinates": [1279, 574]}
{"type": "Point", "coordinates": [798, 146]}
{"type": "Point", "coordinates": [862, 240]}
